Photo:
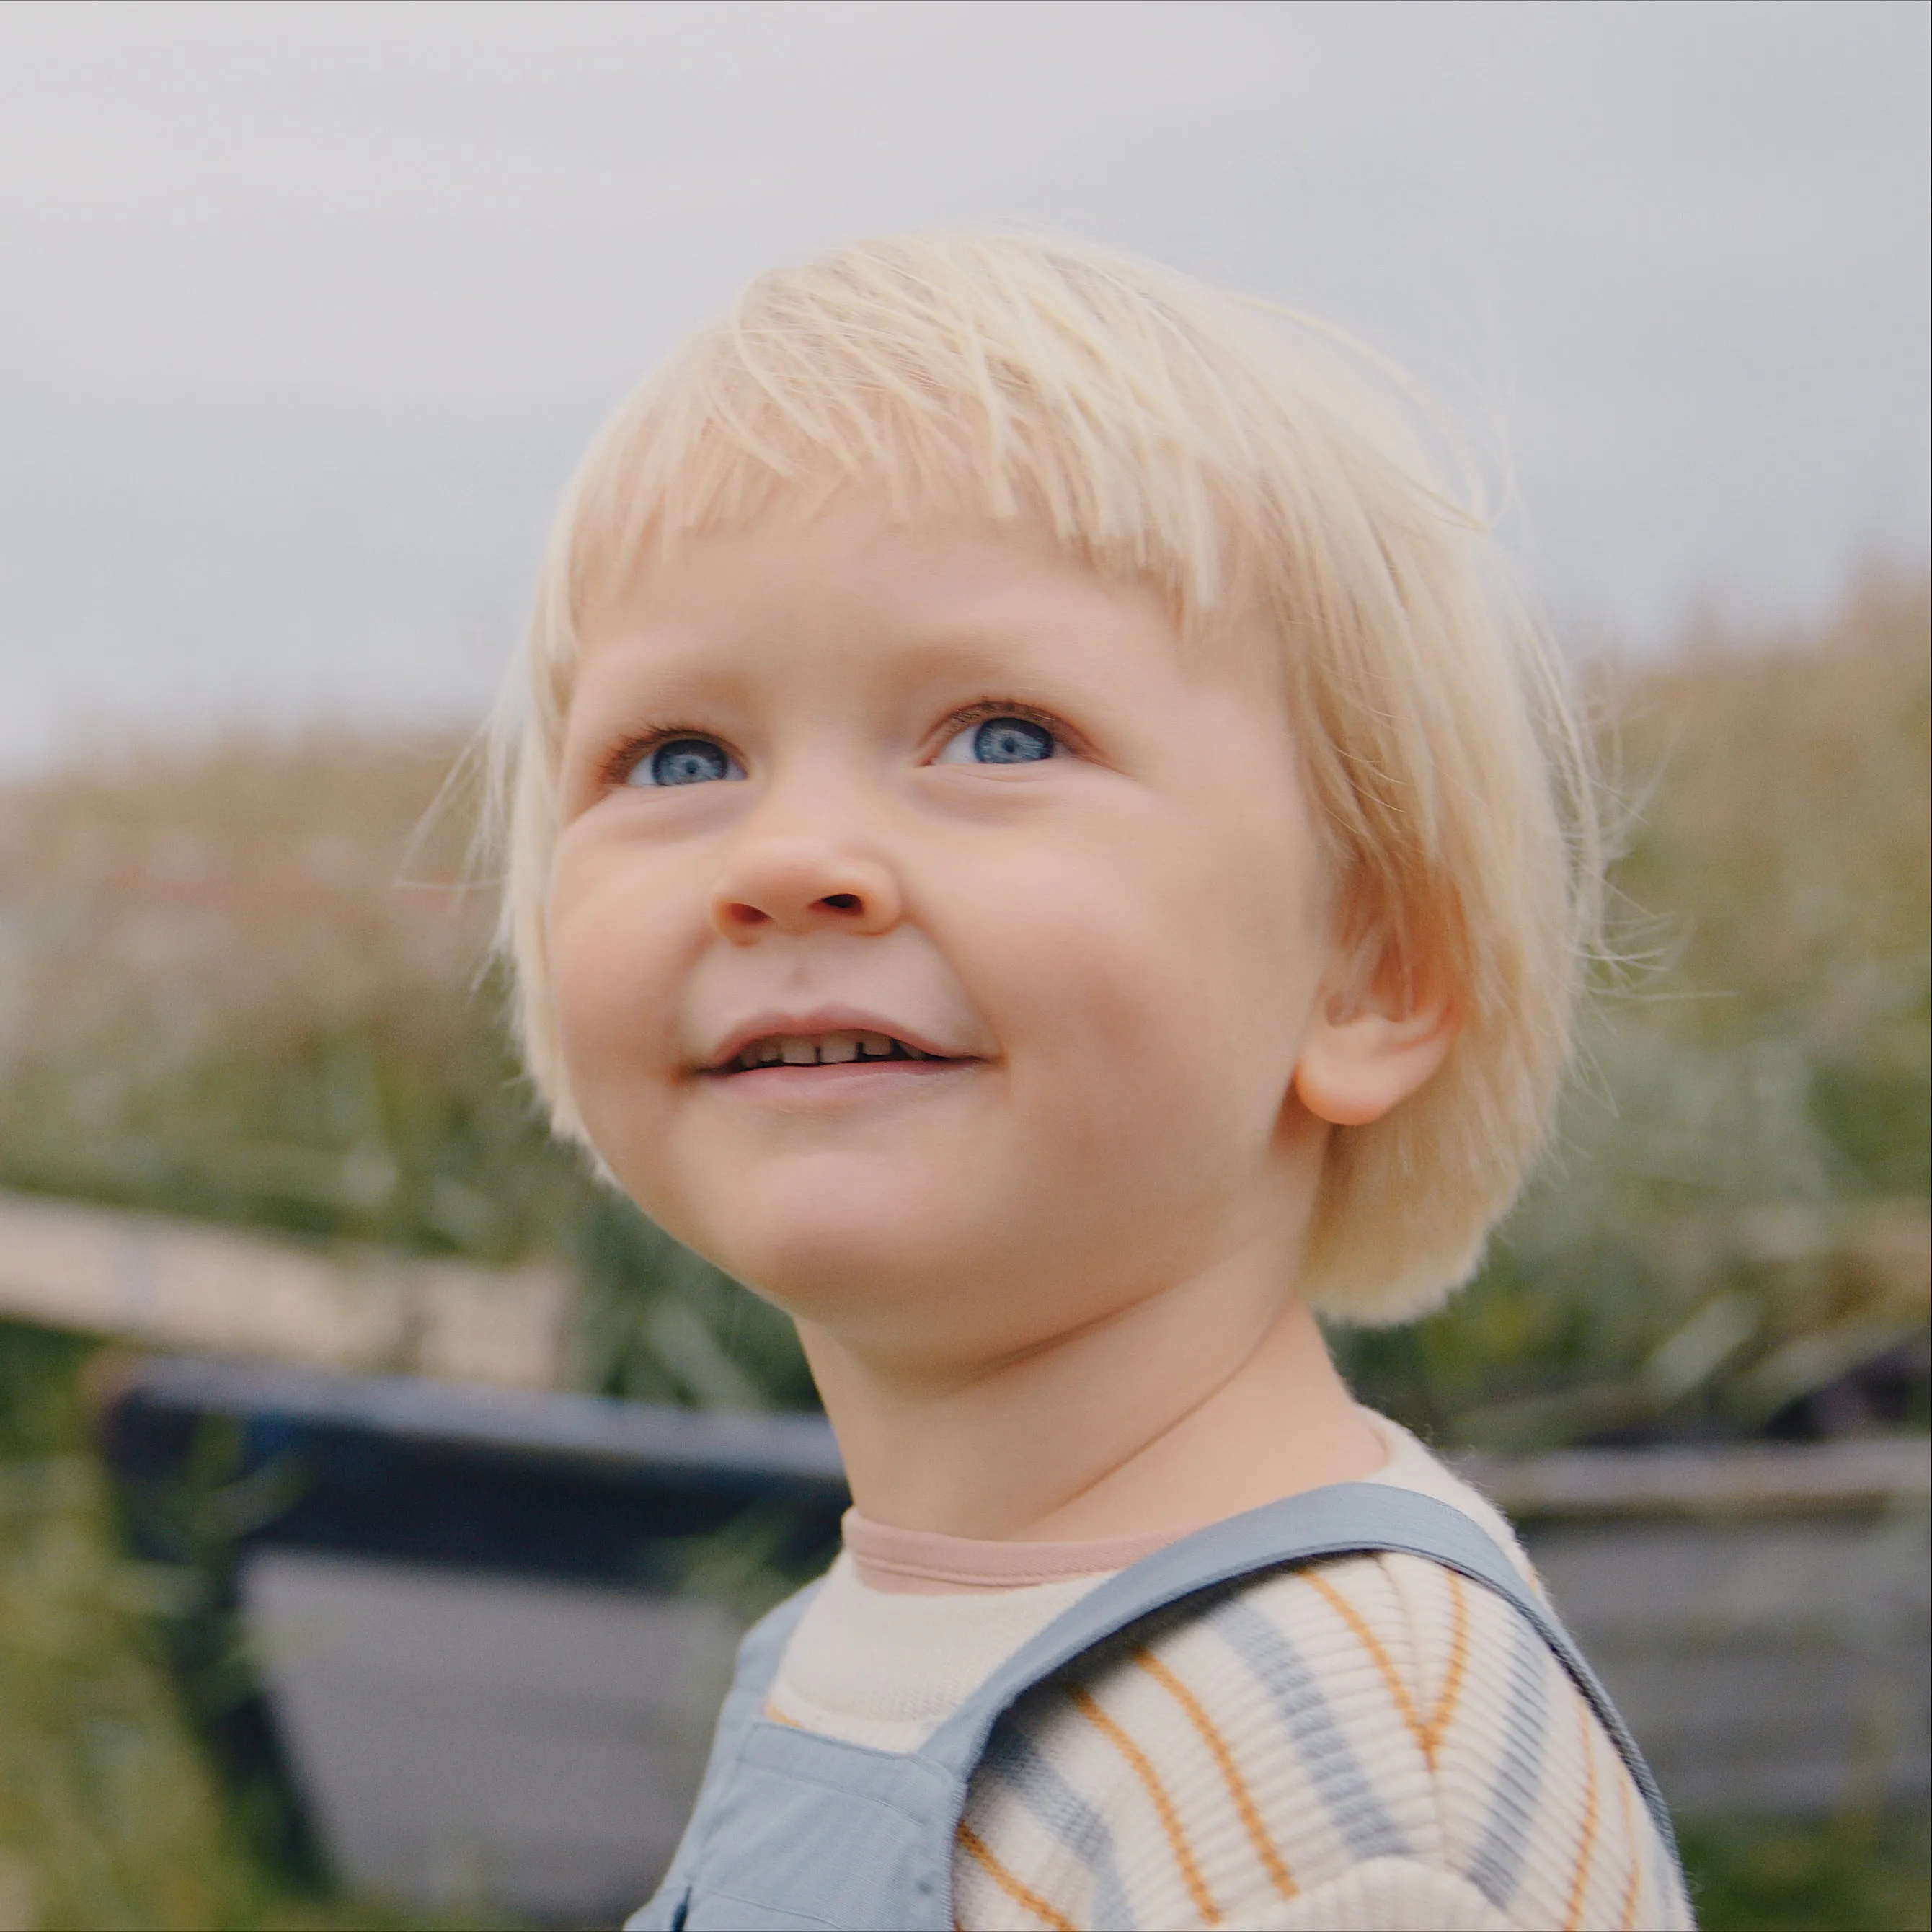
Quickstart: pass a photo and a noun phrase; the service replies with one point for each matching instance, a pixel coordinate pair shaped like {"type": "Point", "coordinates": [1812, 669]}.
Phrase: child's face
{"type": "Point", "coordinates": [830, 782]}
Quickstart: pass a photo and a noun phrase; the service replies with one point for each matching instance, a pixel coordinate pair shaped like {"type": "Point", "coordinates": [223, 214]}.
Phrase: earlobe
{"type": "Point", "coordinates": [1366, 1051]}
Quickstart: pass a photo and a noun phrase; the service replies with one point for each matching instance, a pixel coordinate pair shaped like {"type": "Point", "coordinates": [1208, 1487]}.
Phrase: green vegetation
{"type": "Point", "coordinates": [242, 986]}
{"type": "Point", "coordinates": [241, 990]}
{"type": "Point", "coordinates": [1859, 1874]}
{"type": "Point", "coordinates": [111, 1818]}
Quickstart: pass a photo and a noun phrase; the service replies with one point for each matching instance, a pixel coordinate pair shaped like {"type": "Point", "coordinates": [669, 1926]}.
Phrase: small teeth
{"type": "Point", "coordinates": [828, 1049]}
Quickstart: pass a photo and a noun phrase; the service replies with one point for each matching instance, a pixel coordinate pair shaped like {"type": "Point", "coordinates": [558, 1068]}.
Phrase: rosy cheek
{"type": "Point", "coordinates": [1065, 968]}
{"type": "Point", "coordinates": [581, 1023]}
{"type": "Point", "coordinates": [595, 969]}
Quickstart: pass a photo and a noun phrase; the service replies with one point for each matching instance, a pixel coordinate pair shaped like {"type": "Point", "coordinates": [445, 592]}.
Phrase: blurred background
{"type": "Point", "coordinates": [331, 1391]}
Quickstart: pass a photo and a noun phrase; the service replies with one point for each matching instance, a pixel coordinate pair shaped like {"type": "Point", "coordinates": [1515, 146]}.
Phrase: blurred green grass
{"type": "Point", "coordinates": [241, 985]}
{"type": "Point", "coordinates": [111, 1818]}
{"type": "Point", "coordinates": [1856, 1874]}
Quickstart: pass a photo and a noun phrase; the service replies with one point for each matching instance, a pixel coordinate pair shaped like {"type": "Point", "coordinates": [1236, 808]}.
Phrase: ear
{"type": "Point", "coordinates": [1382, 1027]}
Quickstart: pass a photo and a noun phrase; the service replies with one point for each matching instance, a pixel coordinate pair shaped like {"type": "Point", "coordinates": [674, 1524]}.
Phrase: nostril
{"type": "Point", "coordinates": [840, 901]}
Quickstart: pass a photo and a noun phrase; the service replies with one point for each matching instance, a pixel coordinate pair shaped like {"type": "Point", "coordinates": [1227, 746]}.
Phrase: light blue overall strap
{"type": "Point", "coordinates": [1344, 1519]}
{"type": "Point", "coordinates": [760, 1650]}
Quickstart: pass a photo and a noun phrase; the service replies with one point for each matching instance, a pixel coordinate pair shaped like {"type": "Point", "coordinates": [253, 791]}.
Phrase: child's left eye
{"type": "Point", "coordinates": [683, 761]}
{"type": "Point", "coordinates": [1005, 739]}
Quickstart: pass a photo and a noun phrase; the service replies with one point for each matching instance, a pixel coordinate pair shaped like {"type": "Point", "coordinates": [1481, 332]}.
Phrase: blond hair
{"type": "Point", "coordinates": [1250, 465]}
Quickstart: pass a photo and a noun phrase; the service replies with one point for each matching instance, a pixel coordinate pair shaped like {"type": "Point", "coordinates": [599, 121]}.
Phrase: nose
{"type": "Point", "coordinates": [801, 886]}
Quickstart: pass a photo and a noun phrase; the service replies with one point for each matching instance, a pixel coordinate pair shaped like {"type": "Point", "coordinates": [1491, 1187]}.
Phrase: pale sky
{"type": "Point", "coordinates": [308, 309]}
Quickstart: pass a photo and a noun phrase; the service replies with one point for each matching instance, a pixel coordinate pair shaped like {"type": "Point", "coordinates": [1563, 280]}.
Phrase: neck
{"type": "Point", "coordinates": [1213, 1396]}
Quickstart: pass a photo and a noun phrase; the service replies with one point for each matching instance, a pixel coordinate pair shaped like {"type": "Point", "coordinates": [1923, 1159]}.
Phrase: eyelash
{"type": "Point", "coordinates": [624, 758]}
{"type": "Point", "coordinates": [984, 708]}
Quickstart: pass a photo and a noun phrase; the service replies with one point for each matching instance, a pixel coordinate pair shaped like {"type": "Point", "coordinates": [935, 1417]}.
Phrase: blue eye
{"type": "Point", "coordinates": [684, 761]}
{"type": "Point", "coordinates": [1003, 740]}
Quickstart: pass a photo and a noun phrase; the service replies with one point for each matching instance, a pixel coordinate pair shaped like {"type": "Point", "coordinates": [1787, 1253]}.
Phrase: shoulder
{"type": "Point", "coordinates": [1376, 1726]}
{"type": "Point", "coordinates": [1411, 1466]}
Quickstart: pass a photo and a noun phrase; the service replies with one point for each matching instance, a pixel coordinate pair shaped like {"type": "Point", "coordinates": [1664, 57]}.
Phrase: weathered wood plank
{"type": "Point", "coordinates": [189, 1286]}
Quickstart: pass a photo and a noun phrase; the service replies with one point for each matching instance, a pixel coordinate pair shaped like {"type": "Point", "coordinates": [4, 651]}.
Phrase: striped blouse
{"type": "Point", "coordinates": [1372, 1742]}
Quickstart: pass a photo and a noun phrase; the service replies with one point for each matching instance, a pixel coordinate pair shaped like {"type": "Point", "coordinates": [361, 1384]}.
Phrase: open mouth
{"type": "Point", "coordinates": [821, 1049]}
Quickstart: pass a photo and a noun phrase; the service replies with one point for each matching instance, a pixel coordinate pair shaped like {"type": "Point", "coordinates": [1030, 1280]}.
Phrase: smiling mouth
{"type": "Point", "coordinates": [822, 1049]}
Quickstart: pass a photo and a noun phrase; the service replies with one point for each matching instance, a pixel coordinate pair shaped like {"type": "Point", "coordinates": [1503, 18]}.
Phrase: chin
{"type": "Point", "coordinates": [826, 1267]}
{"type": "Point", "coordinates": [805, 1231]}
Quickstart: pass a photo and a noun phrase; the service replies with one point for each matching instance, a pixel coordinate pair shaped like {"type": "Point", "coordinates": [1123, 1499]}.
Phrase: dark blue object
{"type": "Point", "coordinates": [564, 1486]}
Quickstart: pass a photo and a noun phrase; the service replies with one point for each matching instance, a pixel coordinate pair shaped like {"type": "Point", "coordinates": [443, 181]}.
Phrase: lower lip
{"type": "Point", "coordinates": [840, 1080]}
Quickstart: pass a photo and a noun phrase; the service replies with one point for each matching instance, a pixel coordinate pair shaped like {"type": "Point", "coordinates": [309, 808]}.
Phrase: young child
{"type": "Point", "coordinates": [1037, 845]}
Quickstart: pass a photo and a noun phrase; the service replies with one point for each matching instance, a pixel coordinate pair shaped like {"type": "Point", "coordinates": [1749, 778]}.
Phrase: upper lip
{"type": "Point", "coordinates": [819, 1020]}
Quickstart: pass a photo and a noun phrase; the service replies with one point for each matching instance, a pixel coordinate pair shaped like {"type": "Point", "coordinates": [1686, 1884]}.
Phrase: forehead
{"type": "Point", "coordinates": [832, 582]}
{"type": "Point", "coordinates": [813, 585]}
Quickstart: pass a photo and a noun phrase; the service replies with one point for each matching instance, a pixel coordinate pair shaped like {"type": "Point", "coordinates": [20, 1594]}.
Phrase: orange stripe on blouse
{"type": "Point", "coordinates": [1459, 1666]}
{"type": "Point", "coordinates": [1022, 1894]}
{"type": "Point", "coordinates": [1238, 1787]}
{"type": "Point", "coordinates": [1367, 1639]}
{"type": "Point", "coordinates": [1574, 1917]}
{"type": "Point", "coordinates": [1163, 1805]}
{"type": "Point", "coordinates": [1629, 1913]}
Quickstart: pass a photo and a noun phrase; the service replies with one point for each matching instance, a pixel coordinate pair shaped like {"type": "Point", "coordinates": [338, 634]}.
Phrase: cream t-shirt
{"type": "Point", "coordinates": [908, 1624]}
